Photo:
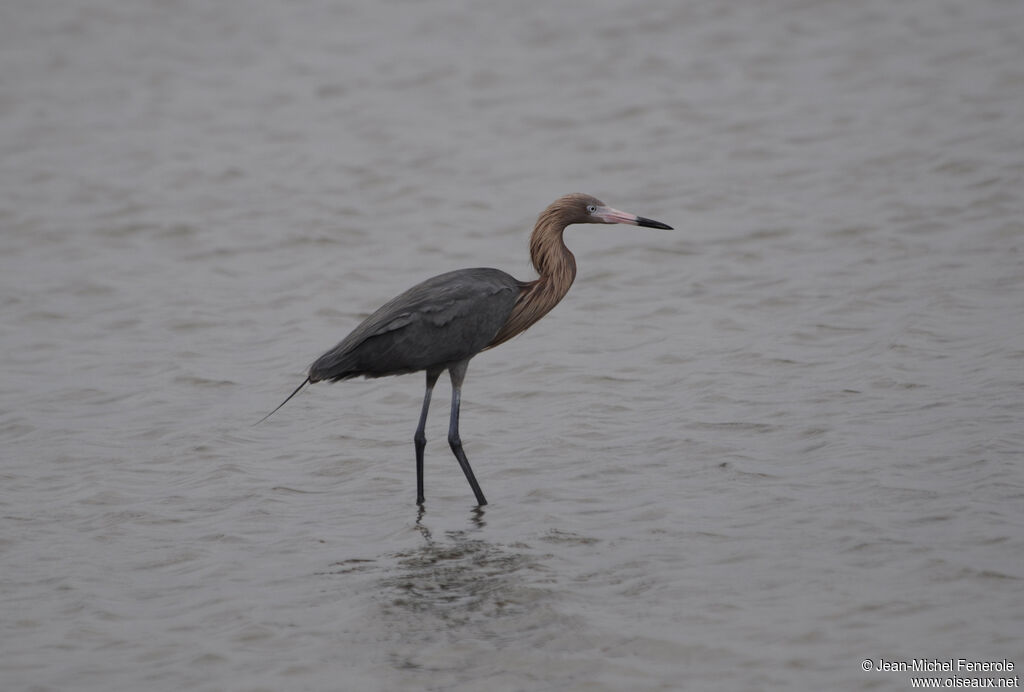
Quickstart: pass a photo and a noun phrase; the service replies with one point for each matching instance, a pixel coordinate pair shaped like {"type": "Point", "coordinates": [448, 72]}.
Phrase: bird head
{"type": "Point", "coordinates": [580, 208]}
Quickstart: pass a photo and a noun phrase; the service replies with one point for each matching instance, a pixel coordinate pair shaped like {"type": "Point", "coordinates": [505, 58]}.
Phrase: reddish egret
{"type": "Point", "coordinates": [443, 322]}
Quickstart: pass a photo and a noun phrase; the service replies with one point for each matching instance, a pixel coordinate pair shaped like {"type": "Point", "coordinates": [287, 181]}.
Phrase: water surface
{"type": "Point", "coordinates": [745, 454]}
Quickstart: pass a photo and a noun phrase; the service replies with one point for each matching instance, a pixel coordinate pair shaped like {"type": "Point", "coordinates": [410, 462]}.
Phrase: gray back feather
{"type": "Point", "coordinates": [443, 320]}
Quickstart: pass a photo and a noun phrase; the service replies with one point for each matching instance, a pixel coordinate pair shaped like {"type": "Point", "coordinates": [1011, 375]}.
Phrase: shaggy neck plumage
{"type": "Point", "coordinates": [554, 263]}
{"type": "Point", "coordinates": [556, 267]}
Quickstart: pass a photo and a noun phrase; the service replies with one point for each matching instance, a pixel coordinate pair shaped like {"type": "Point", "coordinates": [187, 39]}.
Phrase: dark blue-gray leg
{"type": "Point", "coordinates": [458, 373]}
{"type": "Point", "coordinates": [420, 438]}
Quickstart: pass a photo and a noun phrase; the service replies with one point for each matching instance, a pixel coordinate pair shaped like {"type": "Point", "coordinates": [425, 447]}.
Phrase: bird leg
{"type": "Point", "coordinates": [458, 372]}
{"type": "Point", "coordinates": [420, 438]}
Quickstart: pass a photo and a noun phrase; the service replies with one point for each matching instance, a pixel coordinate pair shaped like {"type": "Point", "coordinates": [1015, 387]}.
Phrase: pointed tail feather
{"type": "Point", "coordinates": [282, 403]}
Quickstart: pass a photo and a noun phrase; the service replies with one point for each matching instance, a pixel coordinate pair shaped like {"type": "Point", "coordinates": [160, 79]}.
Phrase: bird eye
{"type": "Point", "coordinates": [591, 208]}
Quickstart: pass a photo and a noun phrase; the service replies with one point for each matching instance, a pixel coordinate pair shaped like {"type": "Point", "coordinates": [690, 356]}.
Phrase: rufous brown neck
{"type": "Point", "coordinates": [556, 267]}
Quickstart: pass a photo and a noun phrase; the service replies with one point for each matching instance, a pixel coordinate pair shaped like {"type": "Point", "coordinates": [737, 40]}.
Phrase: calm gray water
{"type": "Point", "coordinates": [746, 454]}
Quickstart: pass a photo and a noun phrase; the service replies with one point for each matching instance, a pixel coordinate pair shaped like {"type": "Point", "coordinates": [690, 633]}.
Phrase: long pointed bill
{"type": "Point", "coordinates": [610, 215]}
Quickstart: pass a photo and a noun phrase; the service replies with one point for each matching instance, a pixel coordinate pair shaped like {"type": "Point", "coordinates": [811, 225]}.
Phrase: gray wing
{"type": "Point", "coordinates": [443, 320]}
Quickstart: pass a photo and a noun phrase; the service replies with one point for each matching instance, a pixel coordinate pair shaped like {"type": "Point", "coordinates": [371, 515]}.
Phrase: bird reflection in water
{"type": "Point", "coordinates": [476, 516]}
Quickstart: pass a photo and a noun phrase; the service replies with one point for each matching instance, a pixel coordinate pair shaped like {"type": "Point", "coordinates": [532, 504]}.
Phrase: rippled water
{"type": "Point", "coordinates": [746, 454]}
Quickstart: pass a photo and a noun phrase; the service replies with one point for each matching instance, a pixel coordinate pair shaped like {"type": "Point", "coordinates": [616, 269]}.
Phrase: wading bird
{"type": "Point", "coordinates": [442, 323]}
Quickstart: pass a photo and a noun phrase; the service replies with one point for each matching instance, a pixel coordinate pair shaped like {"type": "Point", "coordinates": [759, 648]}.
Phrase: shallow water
{"type": "Point", "coordinates": [745, 454]}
